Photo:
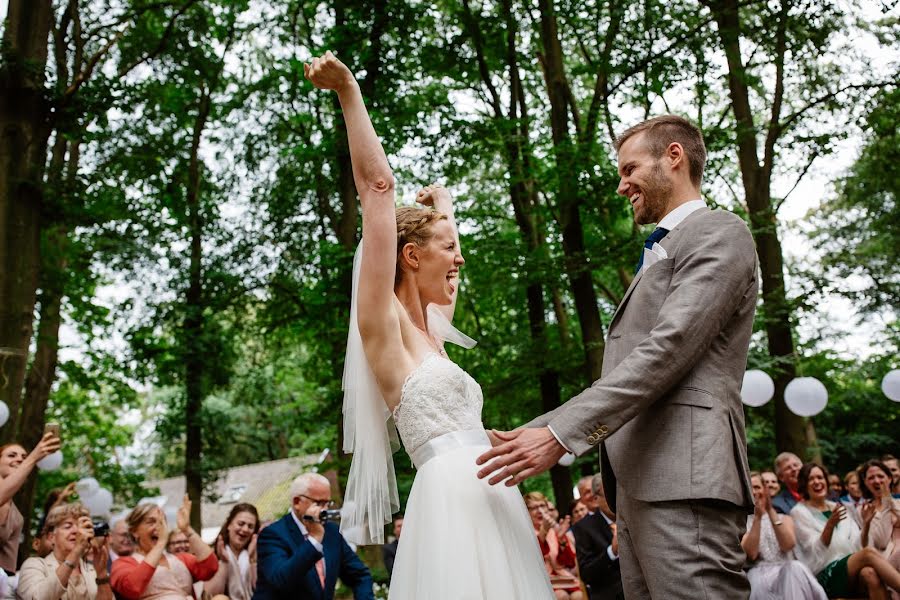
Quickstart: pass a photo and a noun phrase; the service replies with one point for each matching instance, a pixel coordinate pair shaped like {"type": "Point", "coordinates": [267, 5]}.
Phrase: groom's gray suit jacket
{"type": "Point", "coordinates": [667, 408]}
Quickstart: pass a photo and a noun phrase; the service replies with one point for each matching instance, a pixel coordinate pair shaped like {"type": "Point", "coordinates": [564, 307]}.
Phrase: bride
{"type": "Point", "coordinates": [462, 538]}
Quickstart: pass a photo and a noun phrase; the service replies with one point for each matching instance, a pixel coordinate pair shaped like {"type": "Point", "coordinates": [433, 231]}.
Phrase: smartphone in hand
{"type": "Point", "coordinates": [52, 428]}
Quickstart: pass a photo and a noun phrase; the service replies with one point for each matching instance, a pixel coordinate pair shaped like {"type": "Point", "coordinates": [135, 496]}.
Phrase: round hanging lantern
{"type": "Point", "coordinates": [758, 388]}
{"type": "Point", "coordinates": [805, 396]}
{"type": "Point", "coordinates": [51, 462]}
{"type": "Point", "coordinates": [890, 385]}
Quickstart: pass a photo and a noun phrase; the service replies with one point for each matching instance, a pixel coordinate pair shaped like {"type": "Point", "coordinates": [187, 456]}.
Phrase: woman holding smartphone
{"type": "Point", "coordinates": [16, 464]}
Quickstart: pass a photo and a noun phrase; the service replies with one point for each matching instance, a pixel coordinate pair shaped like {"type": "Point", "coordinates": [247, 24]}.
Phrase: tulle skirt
{"type": "Point", "coordinates": [462, 538]}
{"type": "Point", "coordinates": [788, 580]}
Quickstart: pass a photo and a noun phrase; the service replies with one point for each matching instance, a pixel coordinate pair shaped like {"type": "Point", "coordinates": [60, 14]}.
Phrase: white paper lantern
{"type": "Point", "coordinates": [805, 396]}
{"type": "Point", "coordinates": [4, 413]}
{"type": "Point", "coordinates": [758, 388]}
{"type": "Point", "coordinates": [890, 385]}
{"type": "Point", "coordinates": [99, 503]}
{"type": "Point", "coordinates": [566, 459]}
{"type": "Point", "coordinates": [51, 462]}
{"type": "Point", "coordinates": [86, 487]}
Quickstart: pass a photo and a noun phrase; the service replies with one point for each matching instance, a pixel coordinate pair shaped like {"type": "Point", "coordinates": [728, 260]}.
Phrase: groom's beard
{"type": "Point", "coordinates": [656, 191]}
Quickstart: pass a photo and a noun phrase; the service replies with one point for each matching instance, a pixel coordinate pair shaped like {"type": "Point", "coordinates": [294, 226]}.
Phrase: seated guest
{"type": "Point", "coordinates": [42, 543]}
{"type": "Point", "coordinates": [787, 467]}
{"type": "Point", "coordinates": [301, 557]}
{"type": "Point", "coordinates": [585, 496]}
{"type": "Point", "coordinates": [178, 543]}
{"type": "Point", "coordinates": [579, 511]}
{"type": "Point", "coordinates": [597, 547]}
{"type": "Point", "coordinates": [853, 499]}
{"type": "Point", "coordinates": [770, 481]}
{"type": "Point", "coordinates": [894, 465]}
{"type": "Point", "coordinates": [151, 572]}
{"type": "Point", "coordinates": [881, 523]}
{"type": "Point", "coordinates": [769, 544]}
{"type": "Point", "coordinates": [64, 574]}
{"type": "Point", "coordinates": [835, 487]}
{"type": "Point", "coordinates": [829, 543]}
{"type": "Point", "coordinates": [236, 550]}
{"type": "Point", "coordinates": [16, 464]}
{"type": "Point", "coordinates": [558, 551]}
{"type": "Point", "coordinates": [120, 542]}
{"type": "Point", "coordinates": [389, 550]}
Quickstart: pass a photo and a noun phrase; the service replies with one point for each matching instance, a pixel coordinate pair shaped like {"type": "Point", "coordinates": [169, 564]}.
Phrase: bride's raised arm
{"type": "Point", "coordinates": [375, 186]}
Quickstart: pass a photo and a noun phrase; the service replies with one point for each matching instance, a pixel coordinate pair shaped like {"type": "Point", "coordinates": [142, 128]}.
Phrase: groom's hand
{"type": "Point", "coordinates": [523, 453]}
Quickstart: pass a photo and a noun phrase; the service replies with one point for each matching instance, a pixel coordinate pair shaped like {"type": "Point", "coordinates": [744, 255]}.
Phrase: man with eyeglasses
{"type": "Point", "coordinates": [301, 558]}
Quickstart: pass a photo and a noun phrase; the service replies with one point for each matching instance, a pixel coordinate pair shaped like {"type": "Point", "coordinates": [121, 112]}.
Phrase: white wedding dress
{"type": "Point", "coordinates": [462, 538]}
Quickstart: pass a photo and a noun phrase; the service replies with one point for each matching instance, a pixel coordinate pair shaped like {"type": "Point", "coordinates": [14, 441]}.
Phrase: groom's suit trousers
{"type": "Point", "coordinates": [681, 549]}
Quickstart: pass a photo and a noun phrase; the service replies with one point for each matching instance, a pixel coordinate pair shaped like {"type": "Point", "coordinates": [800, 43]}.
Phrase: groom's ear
{"type": "Point", "coordinates": [677, 158]}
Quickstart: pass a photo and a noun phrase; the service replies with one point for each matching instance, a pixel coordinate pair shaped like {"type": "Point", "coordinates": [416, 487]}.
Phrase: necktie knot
{"type": "Point", "coordinates": [658, 234]}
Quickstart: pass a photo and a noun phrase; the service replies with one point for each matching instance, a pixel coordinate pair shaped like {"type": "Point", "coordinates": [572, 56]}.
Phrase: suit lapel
{"type": "Point", "coordinates": [667, 242]}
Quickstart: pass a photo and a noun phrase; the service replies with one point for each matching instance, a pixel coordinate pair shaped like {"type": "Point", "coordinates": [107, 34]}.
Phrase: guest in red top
{"type": "Point", "coordinates": [151, 573]}
{"type": "Point", "coordinates": [557, 546]}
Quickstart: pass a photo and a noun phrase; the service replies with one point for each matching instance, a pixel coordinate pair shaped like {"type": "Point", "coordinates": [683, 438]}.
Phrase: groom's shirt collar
{"type": "Point", "coordinates": [674, 218]}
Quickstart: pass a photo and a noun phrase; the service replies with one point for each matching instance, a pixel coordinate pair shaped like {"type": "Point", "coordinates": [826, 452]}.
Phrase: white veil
{"type": "Point", "coordinates": [371, 496]}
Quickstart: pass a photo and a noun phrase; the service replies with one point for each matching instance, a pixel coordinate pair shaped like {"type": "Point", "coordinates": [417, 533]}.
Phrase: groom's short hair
{"type": "Point", "coordinates": [663, 130]}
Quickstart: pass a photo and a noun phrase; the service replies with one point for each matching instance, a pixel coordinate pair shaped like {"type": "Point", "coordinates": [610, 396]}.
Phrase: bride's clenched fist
{"type": "Point", "coordinates": [432, 195]}
{"type": "Point", "coordinates": [328, 73]}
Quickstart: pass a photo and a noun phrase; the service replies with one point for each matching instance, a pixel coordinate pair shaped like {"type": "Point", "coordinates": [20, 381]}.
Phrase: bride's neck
{"type": "Point", "coordinates": [408, 294]}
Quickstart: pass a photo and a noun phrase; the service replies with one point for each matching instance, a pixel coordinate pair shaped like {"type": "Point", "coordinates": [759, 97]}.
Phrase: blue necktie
{"type": "Point", "coordinates": [658, 234]}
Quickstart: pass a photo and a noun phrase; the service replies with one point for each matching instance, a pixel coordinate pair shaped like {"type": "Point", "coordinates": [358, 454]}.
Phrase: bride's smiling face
{"type": "Point", "coordinates": [436, 264]}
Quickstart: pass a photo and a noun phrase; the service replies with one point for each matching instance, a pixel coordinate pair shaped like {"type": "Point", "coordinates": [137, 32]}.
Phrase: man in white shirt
{"type": "Point", "coordinates": [667, 409]}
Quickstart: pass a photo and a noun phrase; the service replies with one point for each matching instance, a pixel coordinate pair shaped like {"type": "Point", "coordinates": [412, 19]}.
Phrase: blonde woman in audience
{"type": "Point", "coordinates": [236, 550]}
{"type": "Point", "coordinates": [151, 572]}
{"type": "Point", "coordinates": [829, 543]}
{"type": "Point", "coordinates": [853, 499]}
{"type": "Point", "coordinates": [64, 573]}
{"type": "Point", "coordinates": [881, 530]}
{"type": "Point", "coordinates": [769, 544]}
{"type": "Point", "coordinates": [557, 546]}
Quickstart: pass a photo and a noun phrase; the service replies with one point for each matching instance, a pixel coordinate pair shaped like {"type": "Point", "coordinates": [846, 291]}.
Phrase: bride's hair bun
{"type": "Point", "coordinates": [414, 227]}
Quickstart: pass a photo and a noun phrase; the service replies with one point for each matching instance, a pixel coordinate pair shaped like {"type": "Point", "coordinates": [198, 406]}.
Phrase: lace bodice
{"type": "Point", "coordinates": [437, 397]}
{"type": "Point", "coordinates": [768, 543]}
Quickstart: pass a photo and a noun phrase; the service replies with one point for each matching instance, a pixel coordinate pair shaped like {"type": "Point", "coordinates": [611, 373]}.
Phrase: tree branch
{"type": "Point", "coordinates": [483, 70]}
{"type": "Point", "coordinates": [812, 159]}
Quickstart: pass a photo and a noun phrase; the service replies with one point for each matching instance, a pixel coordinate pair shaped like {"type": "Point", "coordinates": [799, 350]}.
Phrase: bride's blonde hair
{"type": "Point", "coordinates": [414, 226]}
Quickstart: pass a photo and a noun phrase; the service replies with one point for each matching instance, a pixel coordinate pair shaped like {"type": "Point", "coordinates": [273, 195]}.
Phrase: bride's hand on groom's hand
{"type": "Point", "coordinates": [327, 72]}
{"type": "Point", "coordinates": [522, 453]}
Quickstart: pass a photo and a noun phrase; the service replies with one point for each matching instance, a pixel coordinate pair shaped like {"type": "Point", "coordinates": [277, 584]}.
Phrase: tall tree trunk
{"type": "Point", "coordinates": [194, 330]}
{"type": "Point", "coordinates": [791, 431]}
{"type": "Point", "coordinates": [568, 199]}
{"type": "Point", "coordinates": [24, 133]}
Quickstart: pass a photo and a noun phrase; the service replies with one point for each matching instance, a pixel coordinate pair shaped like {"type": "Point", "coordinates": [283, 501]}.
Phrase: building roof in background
{"type": "Point", "coordinates": [264, 485]}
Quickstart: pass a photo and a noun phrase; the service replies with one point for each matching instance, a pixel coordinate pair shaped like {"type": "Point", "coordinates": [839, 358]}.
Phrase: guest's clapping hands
{"type": "Point", "coordinates": [838, 515]}
{"type": "Point", "coordinates": [220, 549]}
{"type": "Point", "coordinates": [162, 530]}
{"type": "Point", "coordinates": [100, 558]}
{"type": "Point", "coordinates": [615, 540]}
{"type": "Point", "coordinates": [867, 512]}
{"type": "Point", "coordinates": [183, 516]}
{"type": "Point", "coordinates": [563, 526]}
{"type": "Point", "coordinates": [328, 73]}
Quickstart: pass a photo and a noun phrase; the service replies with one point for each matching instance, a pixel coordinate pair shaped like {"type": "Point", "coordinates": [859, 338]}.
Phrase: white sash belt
{"type": "Point", "coordinates": [447, 442]}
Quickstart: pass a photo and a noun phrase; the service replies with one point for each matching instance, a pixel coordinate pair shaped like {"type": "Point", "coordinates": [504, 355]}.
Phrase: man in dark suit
{"type": "Point", "coordinates": [389, 551]}
{"type": "Point", "coordinates": [301, 558]}
{"type": "Point", "coordinates": [597, 548]}
{"type": "Point", "coordinates": [787, 467]}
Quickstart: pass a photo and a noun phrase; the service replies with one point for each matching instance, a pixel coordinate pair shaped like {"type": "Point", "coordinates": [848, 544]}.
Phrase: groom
{"type": "Point", "coordinates": [667, 410]}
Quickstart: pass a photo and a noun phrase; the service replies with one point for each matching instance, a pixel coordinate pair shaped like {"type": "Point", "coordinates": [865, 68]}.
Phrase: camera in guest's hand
{"type": "Point", "coordinates": [101, 528]}
{"type": "Point", "coordinates": [325, 515]}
